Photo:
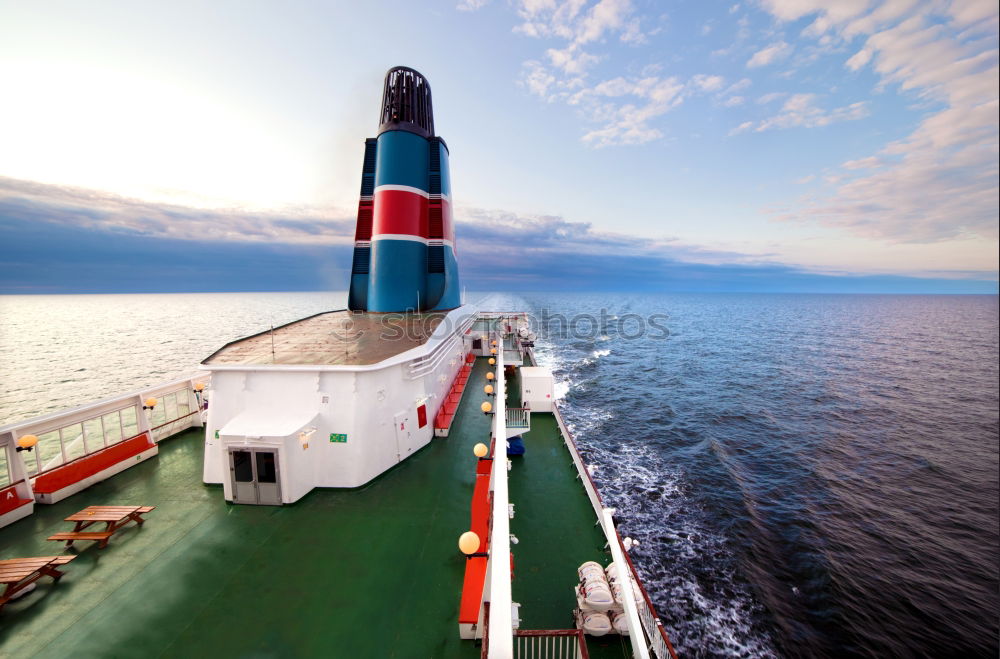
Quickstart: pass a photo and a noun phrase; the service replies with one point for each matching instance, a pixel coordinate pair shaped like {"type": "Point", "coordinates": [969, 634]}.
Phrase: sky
{"type": "Point", "coordinates": [773, 145]}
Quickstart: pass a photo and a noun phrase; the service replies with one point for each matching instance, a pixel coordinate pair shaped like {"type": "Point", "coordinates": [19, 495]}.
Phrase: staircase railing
{"type": "Point", "coordinates": [550, 644]}
{"type": "Point", "coordinates": [518, 417]}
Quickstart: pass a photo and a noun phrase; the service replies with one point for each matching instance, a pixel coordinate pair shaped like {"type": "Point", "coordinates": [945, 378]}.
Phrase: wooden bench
{"type": "Point", "coordinates": [20, 573]}
{"type": "Point", "coordinates": [101, 537]}
{"type": "Point", "coordinates": [114, 518]}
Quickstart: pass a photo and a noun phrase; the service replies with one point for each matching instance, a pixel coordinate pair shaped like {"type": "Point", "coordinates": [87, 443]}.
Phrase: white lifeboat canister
{"type": "Point", "coordinates": [594, 623]}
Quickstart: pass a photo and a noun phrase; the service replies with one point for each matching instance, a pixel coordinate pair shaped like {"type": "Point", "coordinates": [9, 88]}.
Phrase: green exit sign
{"type": "Point", "coordinates": [339, 438]}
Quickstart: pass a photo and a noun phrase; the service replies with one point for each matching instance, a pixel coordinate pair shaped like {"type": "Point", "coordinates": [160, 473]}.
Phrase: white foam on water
{"type": "Point", "coordinates": [601, 353]}
{"type": "Point", "coordinates": [674, 544]}
{"type": "Point", "coordinates": [560, 389]}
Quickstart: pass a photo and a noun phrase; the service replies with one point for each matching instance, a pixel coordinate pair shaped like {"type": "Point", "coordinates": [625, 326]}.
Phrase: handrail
{"type": "Point", "coordinates": [498, 568]}
{"type": "Point", "coordinates": [556, 649]}
{"type": "Point", "coordinates": [639, 649]}
{"type": "Point", "coordinates": [174, 420]}
{"type": "Point", "coordinates": [53, 420]}
{"type": "Point", "coordinates": [517, 417]}
{"type": "Point", "coordinates": [427, 363]}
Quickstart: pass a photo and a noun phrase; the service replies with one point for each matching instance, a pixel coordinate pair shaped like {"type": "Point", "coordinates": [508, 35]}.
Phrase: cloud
{"type": "Point", "coordinates": [63, 240]}
{"type": "Point", "coordinates": [625, 107]}
{"type": "Point", "coordinates": [622, 108]}
{"type": "Point", "coordinates": [708, 83]}
{"type": "Point", "coordinates": [939, 182]}
{"type": "Point", "coordinates": [800, 111]}
{"type": "Point", "coordinates": [739, 85]}
{"type": "Point", "coordinates": [772, 96]}
{"type": "Point", "coordinates": [93, 210]}
{"type": "Point", "coordinates": [859, 59]}
{"type": "Point", "coordinates": [471, 5]}
{"type": "Point", "coordinates": [734, 101]}
{"type": "Point", "coordinates": [772, 53]}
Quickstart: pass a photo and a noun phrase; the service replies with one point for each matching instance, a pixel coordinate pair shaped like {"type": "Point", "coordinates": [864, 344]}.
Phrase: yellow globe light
{"type": "Point", "coordinates": [488, 389]}
{"type": "Point", "coordinates": [26, 442]}
{"type": "Point", "coordinates": [200, 386]}
{"type": "Point", "coordinates": [490, 376]}
{"type": "Point", "coordinates": [486, 407]}
{"type": "Point", "coordinates": [492, 361]}
{"type": "Point", "coordinates": [150, 403]}
{"type": "Point", "coordinates": [494, 343]}
{"type": "Point", "coordinates": [468, 543]}
{"type": "Point", "coordinates": [480, 450]}
{"type": "Point", "coordinates": [493, 351]}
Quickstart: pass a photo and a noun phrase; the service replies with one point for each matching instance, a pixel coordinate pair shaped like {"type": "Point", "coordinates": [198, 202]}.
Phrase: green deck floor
{"type": "Point", "coordinates": [371, 572]}
{"type": "Point", "coordinates": [557, 531]}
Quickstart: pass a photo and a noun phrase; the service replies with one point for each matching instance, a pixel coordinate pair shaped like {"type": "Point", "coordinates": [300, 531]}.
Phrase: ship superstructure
{"type": "Point", "coordinates": [371, 441]}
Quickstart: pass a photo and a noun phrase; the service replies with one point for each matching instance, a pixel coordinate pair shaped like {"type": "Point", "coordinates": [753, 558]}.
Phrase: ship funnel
{"type": "Point", "coordinates": [404, 244]}
{"type": "Point", "coordinates": [406, 103]}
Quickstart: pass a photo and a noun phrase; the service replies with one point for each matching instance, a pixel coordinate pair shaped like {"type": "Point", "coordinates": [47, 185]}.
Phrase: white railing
{"type": "Point", "coordinates": [640, 650]}
{"type": "Point", "coordinates": [518, 417]}
{"type": "Point", "coordinates": [550, 644]}
{"type": "Point", "coordinates": [75, 433]}
{"type": "Point", "coordinates": [501, 642]}
{"type": "Point", "coordinates": [421, 366]}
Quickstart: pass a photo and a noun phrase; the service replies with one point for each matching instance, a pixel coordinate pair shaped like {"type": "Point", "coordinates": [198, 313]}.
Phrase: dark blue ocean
{"type": "Point", "coordinates": [807, 475]}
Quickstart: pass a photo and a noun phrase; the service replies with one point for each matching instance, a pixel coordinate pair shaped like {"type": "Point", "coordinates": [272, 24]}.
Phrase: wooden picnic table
{"type": "Point", "coordinates": [18, 574]}
{"type": "Point", "coordinates": [114, 518]}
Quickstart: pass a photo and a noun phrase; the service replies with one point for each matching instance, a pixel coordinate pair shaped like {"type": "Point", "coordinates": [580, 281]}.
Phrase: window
{"type": "Point", "coordinates": [72, 442]}
{"type": "Point", "coordinates": [158, 417]}
{"type": "Point", "coordinates": [170, 407]}
{"type": "Point", "coordinates": [112, 428]}
{"type": "Point", "coordinates": [130, 422]}
{"type": "Point", "coordinates": [4, 468]}
{"type": "Point", "coordinates": [242, 467]}
{"type": "Point", "coordinates": [48, 451]}
{"type": "Point", "coordinates": [183, 403]}
{"type": "Point", "coordinates": [93, 434]}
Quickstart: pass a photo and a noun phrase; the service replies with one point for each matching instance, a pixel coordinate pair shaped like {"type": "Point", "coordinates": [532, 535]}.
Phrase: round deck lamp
{"type": "Point", "coordinates": [468, 543]}
{"type": "Point", "coordinates": [480, 450]}
{"type": "Point", "coordinates": [494, 343]}
{"type": "Point", "coordinates": [493, 351]}
{"type": "Point", "coordinates": [486, 407]}
{"type": "Point", "coordinates": [199, 387]}
{"type": "Point", "coordinates": [26, 442]}
{"type": "Point", "coordinates": [488, 389]}
{"type": "Point", "coordinates": [149, 404]}
{"type": "Point", "coordinates": [490, 376]}
{"type": "Point", "coordinates": [492, 361]}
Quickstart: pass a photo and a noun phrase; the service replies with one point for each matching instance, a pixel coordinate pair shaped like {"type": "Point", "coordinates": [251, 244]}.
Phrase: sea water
{"type": "Point", "coordinates": [806, 475]}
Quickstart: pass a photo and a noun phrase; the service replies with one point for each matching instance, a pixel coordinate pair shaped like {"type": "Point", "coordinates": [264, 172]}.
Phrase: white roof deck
{"type": "Point", "coordinates": [333, 338]}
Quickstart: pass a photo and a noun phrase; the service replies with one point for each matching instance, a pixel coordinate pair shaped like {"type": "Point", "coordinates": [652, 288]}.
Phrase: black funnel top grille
{"type": "Point", "coordinates": [406, 103]}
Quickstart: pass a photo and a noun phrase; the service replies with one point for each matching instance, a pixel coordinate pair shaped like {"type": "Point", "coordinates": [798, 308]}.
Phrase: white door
{"type": "Point", "coordinates": [403, 432]}
{"type": "Point", "coordinates": [254, 474]}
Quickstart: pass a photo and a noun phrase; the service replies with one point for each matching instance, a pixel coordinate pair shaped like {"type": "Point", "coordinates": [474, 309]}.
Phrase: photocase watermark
{"type": "Point", "coordinates": [543, 324]}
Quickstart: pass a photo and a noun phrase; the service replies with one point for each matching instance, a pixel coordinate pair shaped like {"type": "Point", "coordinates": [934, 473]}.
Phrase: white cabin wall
{"type": "Point", "coordinates": [335, 463]}
{"type": "Point", "coordinates": [296, 468]}
{"type": "Point", "coordinates": [225, 401]}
